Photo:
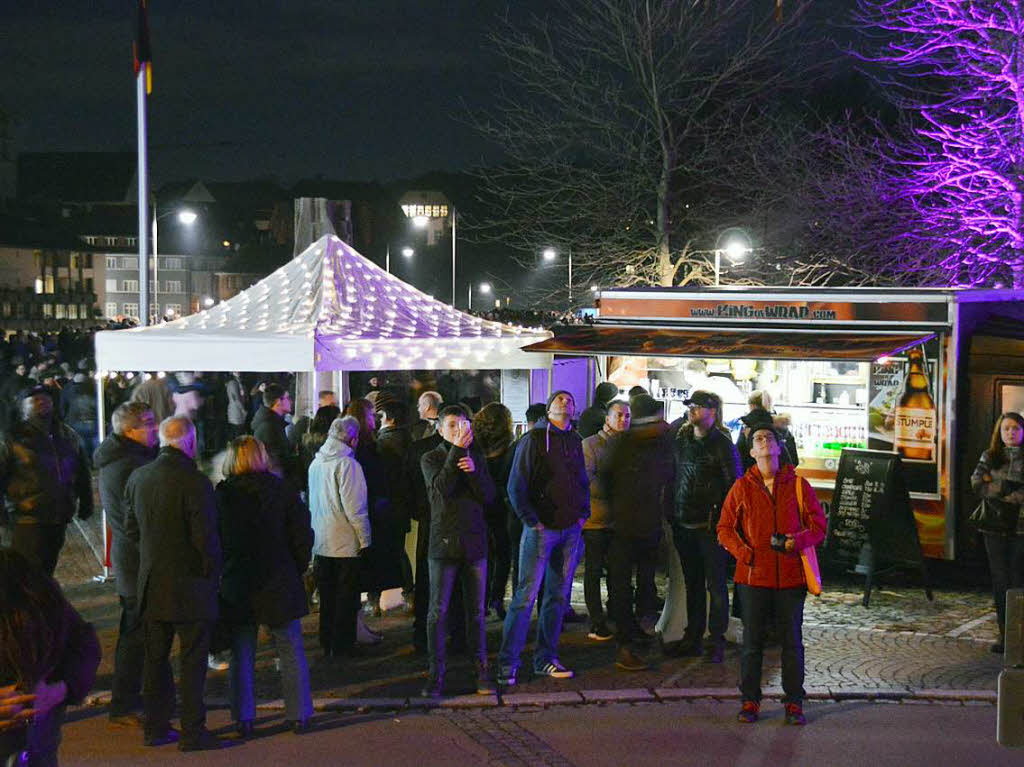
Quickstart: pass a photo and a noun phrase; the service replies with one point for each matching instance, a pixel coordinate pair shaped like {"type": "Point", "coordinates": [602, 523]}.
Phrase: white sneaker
{"type": "Point", "coordinates": [556, 670]}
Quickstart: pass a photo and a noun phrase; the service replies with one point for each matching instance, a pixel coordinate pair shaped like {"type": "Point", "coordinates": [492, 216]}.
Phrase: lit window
{"type": "Point", "coordinates": [48, 310]}
{"type": "Point", "coordinates": [111, 286]}
{"type": "Point", "coordinates": [7, 308]}
{"type": "Point", "coordinates": [39, 285]}
{"type": "Point", "coordinates": [83, 311]}
{"type": "Point", "coordinates": [61, 312]}
{"type": "Point", "coordinates": [49, 284]}
{"type": "Point", "coordinates": [444, 211]}
{"type": "Point", "coordinates": [72, 311]}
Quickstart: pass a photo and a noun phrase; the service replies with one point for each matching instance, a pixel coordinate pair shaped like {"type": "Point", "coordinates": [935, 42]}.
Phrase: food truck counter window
{"type": "Point", "coordinates": [888, 404]}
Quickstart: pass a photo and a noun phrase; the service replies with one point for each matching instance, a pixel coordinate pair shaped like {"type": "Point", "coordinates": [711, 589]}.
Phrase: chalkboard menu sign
{"type": "Point", "coordinates": [871, 520]}
{"type": "Point", "coordinates": [870, 504]}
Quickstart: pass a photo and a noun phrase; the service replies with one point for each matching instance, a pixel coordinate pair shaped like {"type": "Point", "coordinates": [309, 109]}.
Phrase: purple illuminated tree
{"type": "Point", "coordinates": [958, 72]}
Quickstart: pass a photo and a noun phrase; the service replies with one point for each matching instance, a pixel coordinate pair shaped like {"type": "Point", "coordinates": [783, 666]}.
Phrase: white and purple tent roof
{"type": "Point", "coordinates": [327, 309]}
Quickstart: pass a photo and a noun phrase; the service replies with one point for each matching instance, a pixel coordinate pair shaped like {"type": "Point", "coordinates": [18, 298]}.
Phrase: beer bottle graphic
{"type": "Point", "coordinates": [915, 412]}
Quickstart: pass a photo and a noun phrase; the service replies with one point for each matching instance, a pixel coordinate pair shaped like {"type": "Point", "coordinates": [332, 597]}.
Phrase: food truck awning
{"type": "Point", "coordinates": [745, 343]}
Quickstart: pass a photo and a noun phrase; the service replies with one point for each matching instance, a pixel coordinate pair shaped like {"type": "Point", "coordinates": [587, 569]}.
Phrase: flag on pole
{"type": "Point", "coordinates": [142, 53]}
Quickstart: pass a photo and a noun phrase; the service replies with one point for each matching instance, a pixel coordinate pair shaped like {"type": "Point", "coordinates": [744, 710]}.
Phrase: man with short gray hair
{"type": "Point", "coordinates": [171, 513]}
{"type": "Point", "coordinates": [131, 445]}
{"type": "Point", "coordinates": [427, 406]}
{"type": "Point", "coordinates": [341, 529]}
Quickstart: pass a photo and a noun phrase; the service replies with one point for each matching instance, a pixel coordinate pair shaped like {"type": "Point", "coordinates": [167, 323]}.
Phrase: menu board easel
{"type": "Point", "coordinates": [871, 522]}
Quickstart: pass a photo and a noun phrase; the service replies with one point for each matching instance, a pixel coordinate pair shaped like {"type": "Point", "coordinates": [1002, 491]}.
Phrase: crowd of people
{"type": "Point", "coordinates": [338, 490]}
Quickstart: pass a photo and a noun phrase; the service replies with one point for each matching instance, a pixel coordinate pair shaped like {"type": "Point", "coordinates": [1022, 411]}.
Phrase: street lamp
{"type": "Point", "coordinates": [406, 251]}
{"type": "Point", "coordinates": [484, 288]}
{"type": "Point", "coordinates": [186, 217]}
{"type": "Point", "coordinates": [550, 254]}
{"type": "Point", "coordinates": [737, 246]}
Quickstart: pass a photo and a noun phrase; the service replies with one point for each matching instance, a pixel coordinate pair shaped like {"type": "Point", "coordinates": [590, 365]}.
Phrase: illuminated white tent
{"type": "Point", "coordinates": [327, 309]}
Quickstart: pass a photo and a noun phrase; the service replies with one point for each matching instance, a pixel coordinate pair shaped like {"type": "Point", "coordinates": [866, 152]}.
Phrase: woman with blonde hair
{"type": "Point", "coordinates": [267, 540]}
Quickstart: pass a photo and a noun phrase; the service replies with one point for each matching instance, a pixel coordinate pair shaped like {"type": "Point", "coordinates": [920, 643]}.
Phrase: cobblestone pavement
{"type": "Point", "coordinates": [900, 644]}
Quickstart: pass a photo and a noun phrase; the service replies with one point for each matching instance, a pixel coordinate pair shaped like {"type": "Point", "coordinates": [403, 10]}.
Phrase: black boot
{"type": "Point", "coordinates": [484, 684]}
{"type": "Point", "coordinates": [435, 683]}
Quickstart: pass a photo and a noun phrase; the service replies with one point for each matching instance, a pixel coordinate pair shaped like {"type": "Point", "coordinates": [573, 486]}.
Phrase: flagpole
{"type": "Point", "coordinates": [140, 98]}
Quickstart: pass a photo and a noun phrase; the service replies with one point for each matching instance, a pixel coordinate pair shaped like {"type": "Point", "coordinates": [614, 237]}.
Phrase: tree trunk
{"type": "Point", "coordinates": [666, 269]}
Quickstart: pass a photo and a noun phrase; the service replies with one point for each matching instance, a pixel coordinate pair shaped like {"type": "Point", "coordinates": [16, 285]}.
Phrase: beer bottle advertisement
{"type": "Point", "coordinates": [915, 416]}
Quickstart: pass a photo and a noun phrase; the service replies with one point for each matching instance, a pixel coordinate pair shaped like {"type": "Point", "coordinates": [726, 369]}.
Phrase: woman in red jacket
{"type": "Point", "coordinates": [764, 524]}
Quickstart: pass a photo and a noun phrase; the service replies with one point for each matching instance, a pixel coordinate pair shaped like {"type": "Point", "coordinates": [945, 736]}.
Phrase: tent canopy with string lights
{"type": "Point", "coordinates": [327, 309]}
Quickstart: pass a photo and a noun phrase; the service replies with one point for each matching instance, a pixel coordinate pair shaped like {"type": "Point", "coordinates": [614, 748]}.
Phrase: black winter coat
{"type": "Point", "coordinates": [44, 474]}
{"type": "Point", "coordinates": [268, 428]}
{"type": "Point", "coordinates": [638, 479]}
{"type": "Point", "coordinates": [267, 539]}
{"type": "Point", "coordinates": [420, 503]}
{"type": "Point", "coordinates": [380, 568]}
{"type": "Point", "coordinates": [457, 502]}
{"type": "Point", "coordinates": [705, 472]}
{"type": "Point", "coordinates": [393, 443]}
{"type": "Point", "coordinates": [171, 513]}
{"type": "Point", "coordinates": [115, 459]}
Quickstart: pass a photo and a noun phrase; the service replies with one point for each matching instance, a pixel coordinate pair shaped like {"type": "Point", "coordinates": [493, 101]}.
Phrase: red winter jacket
{"type": "Point", "coordinates": [750, 516]}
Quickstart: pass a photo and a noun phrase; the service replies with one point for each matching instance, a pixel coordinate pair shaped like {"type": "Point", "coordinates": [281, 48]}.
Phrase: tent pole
{"type": "Point", "coordinates": [344, 388]}
{"type": "Point", "coordinates": [313, 388]}
{"type": "Point", "coordinates": [101, 428]}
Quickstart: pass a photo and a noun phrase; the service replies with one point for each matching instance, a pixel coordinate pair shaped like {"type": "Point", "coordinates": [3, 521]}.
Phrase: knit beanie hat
{"type": "Point", "coordinates": [555, 394]}
{"type": "Point", "coordinates": [605, 392]}
{"type": "Point", "coordinates": [645, 406]}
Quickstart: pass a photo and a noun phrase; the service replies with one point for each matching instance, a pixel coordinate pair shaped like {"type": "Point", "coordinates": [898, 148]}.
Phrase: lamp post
{"type": "Point", "coordinates": [550, 254]}
{"type": "Point", "coordinates": [736, 247]}
{"type": "Point", "coordinates": [453, 257]}
{"type": "Point", "coordinates": [406, 251]}
{"type": "Point", "coordinates": [485, 288]}
{"type": "Point", "coordinates": [186, 217]}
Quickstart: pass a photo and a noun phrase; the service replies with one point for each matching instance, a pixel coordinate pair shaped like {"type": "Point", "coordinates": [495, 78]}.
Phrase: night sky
{"type": "Point", "coordinates": [290, 88]}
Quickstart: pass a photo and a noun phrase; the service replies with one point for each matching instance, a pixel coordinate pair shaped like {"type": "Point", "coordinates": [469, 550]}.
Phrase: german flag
{"type": "Point", "coordinates": [141, 51]}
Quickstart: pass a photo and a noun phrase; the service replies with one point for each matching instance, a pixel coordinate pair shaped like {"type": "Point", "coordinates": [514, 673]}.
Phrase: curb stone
{"type": "Point", "coordinates": [568, 698]}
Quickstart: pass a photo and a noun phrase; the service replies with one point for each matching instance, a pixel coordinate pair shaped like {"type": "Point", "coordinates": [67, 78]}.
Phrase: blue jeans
{"type": "Point", "coordinates": [298, 702]}
{"type": "Point", "coordinates": [551, 555]}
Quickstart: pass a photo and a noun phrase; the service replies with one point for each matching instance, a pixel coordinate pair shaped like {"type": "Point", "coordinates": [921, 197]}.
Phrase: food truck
{"type": "Point", "coordinates": [923, 372]}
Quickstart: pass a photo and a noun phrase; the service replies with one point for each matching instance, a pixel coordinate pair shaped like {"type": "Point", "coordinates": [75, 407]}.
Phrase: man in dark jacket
{"type": "Point", "coordinates": [706, 465]}
{"type": "Point", "coordinates": [592, 419]}
{"type": "Point", "coordinates": [638, 481]}
{"type": "Point", "coordinates": [420, 510]}
{"type": "Point", "coordinates": [393, 442]}
{"type": "Point", "coordinates": [460, 488]}
{"type": "Point", "coordinates": [131, 445]}
{"type": "Point", "coordinates": [268, 427]}
{"type": "Point", "coordinates": [550, 493]}
{"type": "Point", "coordinates": [44, 476]}
{"type": "Point", "coordinates": [170, 511]}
